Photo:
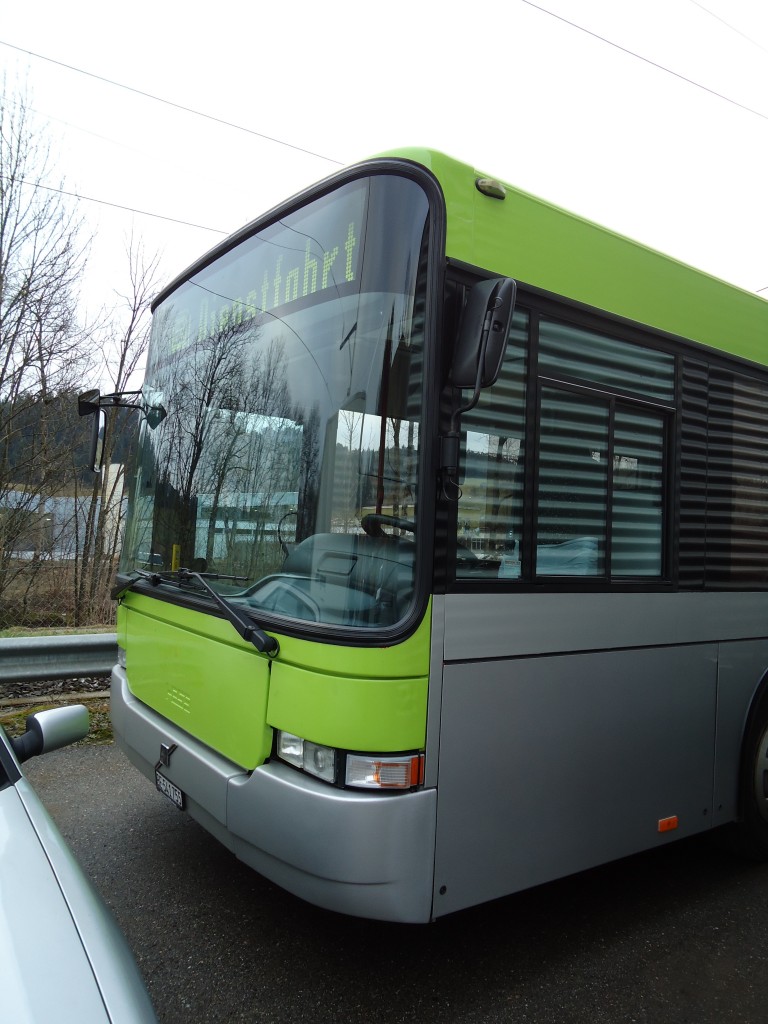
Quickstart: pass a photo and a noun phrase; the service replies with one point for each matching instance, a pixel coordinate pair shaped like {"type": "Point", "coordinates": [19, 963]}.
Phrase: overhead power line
{"type": "Point", "coordinates": [727, 24]}
{"type": "Point", "coordinates": [171, 103]}
{"type": "Point", "coordinates": [119, 206]}
{"type": "Point", "coordinates": [647, 60]}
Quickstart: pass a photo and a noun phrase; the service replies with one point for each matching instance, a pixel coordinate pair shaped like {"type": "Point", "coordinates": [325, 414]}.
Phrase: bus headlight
{"type": "Point", "coordinates": [362, 771]}
{"type": "Point", "coordinates": [314, 758]}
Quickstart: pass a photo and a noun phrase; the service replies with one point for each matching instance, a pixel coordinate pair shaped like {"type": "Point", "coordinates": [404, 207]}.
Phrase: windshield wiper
{"type": "Point", "coordinates": [263, 642]}
{"type": "Point", "coordinates": [140, 574]}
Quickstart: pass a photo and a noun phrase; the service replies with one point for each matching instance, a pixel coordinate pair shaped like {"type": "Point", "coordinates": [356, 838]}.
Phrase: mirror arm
{"type": "Point", "coordinates": [474, 398]}
{"type": "Point", "coordinates": [449, 442]}
{"type": "Point", "coordinates": [93, 402]}
{"type": "Point", "coordinates": [90, 402]}
{"type": "Point", "coordinates": [123, 399]}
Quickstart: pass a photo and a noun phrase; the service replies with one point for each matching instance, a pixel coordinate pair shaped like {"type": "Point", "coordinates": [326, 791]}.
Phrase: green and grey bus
{"type": "Point", "coordinates": [445, 570]}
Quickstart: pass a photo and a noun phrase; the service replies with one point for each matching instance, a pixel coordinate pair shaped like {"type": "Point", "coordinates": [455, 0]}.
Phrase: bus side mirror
{"type": "Point", "coordinates": [89, 404]}
{"type": "Point", "coordinates": [482, 335]}
{"type": "Point", "coordinates": [96, 455]}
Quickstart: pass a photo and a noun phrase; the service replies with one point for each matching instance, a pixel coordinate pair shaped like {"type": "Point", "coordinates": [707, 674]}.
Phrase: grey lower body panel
{"type": "Point", "coordinates": [576, 761]}
{"type": "Point", "coordinates": [368, 855]}
{"type": "Point", "coordinates": [596, 726]}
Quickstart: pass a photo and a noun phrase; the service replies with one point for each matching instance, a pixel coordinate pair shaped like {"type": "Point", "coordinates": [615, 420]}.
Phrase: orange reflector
{"type": "Point", "coordinates": [668, 824]}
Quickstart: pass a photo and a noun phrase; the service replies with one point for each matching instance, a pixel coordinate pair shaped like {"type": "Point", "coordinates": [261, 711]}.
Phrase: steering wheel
{"type": "Point", "coordinates": [374, 521]}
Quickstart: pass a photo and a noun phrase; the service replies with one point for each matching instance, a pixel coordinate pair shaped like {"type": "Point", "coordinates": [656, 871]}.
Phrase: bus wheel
{"type": "Point", "coordinates": [753, 826]}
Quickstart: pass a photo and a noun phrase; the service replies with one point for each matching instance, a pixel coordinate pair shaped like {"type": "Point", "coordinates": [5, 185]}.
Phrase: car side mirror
{"type": "Point", "coordinates": [49, 730]}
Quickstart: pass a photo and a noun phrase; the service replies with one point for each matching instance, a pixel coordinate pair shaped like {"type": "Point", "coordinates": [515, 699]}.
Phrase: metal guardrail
{"type": "Point", "coordinates": [29, 659]}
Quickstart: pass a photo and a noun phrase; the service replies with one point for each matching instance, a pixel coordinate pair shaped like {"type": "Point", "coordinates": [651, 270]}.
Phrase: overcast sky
{"type": "Point", "coordinates": [649, 118]}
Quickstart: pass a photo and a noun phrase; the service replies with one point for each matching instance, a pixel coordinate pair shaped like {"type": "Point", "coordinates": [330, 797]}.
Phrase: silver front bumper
{"type": "Point", "coordinates": [370, 855]}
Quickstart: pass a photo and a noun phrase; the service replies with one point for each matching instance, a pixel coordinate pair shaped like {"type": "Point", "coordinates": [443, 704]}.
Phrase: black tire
{"type": "Point", "coordinates": [750, 833]}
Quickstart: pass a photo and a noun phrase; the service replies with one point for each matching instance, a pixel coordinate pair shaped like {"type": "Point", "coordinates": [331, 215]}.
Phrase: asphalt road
{"type": "Point", "coordinates": [677, 935]}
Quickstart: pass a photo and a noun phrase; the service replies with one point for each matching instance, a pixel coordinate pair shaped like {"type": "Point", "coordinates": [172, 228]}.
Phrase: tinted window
{"type": "Point", "coordinates": [595, 485]}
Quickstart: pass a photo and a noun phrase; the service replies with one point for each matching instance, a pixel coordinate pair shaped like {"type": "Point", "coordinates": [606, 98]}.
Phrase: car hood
{"type": "Point", "coordinates": [63, 956]}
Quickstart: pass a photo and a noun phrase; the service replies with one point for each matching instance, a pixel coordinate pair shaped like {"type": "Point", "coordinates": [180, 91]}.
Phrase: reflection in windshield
{"type": "Point", "coordinates": [291, 372]}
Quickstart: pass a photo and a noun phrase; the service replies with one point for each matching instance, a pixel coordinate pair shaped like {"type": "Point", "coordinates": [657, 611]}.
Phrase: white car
{"type": "Point", "coordinates": [62, 956]}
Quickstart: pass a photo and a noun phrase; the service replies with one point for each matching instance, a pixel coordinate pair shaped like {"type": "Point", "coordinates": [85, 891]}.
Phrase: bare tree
{"type": "Point", "coordinates": [42, 351]}
{"type": "Point", "coordinates": [121, 343]}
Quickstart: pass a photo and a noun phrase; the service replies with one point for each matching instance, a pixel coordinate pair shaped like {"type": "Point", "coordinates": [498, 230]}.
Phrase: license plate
{"type": "Point", "coordinates": [167, 788]}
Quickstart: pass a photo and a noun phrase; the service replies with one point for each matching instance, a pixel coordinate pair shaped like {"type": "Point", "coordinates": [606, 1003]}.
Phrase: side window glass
{"type": "Point", "coordinates": [573, 485]}
{"type": "Point", "coordinates": [490, 513]}
{"type": "Point", "coordinates": [596, 462]}
{"type": "Point", "coordinates": [567, 352]}
{"type": "Point", "coordinates": [595, 459]}
{"type": "Point", "coordinates": [724, 486]}
{"type": "Point", "coordinates": [638, 465]}
{"type": "Point", "coordinates": [601, 454]}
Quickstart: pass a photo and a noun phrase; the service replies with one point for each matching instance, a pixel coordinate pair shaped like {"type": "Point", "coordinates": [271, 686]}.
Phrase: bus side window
{"type": "Point", "coordinates": [573, 485]}
{"type": "Point", "coordinates": [638, 476]}
{"type": "Point", "coordinates": [588, 507]}
{"type": "Point", "coordinates": [490, 512]}
{"type": "Point", "coordinates": [603, 440]}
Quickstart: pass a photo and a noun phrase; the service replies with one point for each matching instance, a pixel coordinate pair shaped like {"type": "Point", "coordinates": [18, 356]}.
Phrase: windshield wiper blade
{"type": "Point", "coordinates": [263, 642]}
{"type": "Point", "coordinates": [166, 576]}
{"type": "Point", "coordinates": [140, 575]}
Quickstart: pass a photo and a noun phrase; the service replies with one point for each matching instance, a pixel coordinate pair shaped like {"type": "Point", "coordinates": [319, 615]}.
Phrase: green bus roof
{"type": "Point", "coordinates": [548, 248]}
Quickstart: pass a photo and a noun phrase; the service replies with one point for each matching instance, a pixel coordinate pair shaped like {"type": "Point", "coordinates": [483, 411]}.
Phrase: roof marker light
{"type": "Point", "coordinates": [491, 187]}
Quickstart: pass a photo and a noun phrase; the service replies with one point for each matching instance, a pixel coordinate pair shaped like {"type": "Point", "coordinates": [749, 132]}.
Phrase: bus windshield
{"type": "Point", "coordinates": [290, 372]}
